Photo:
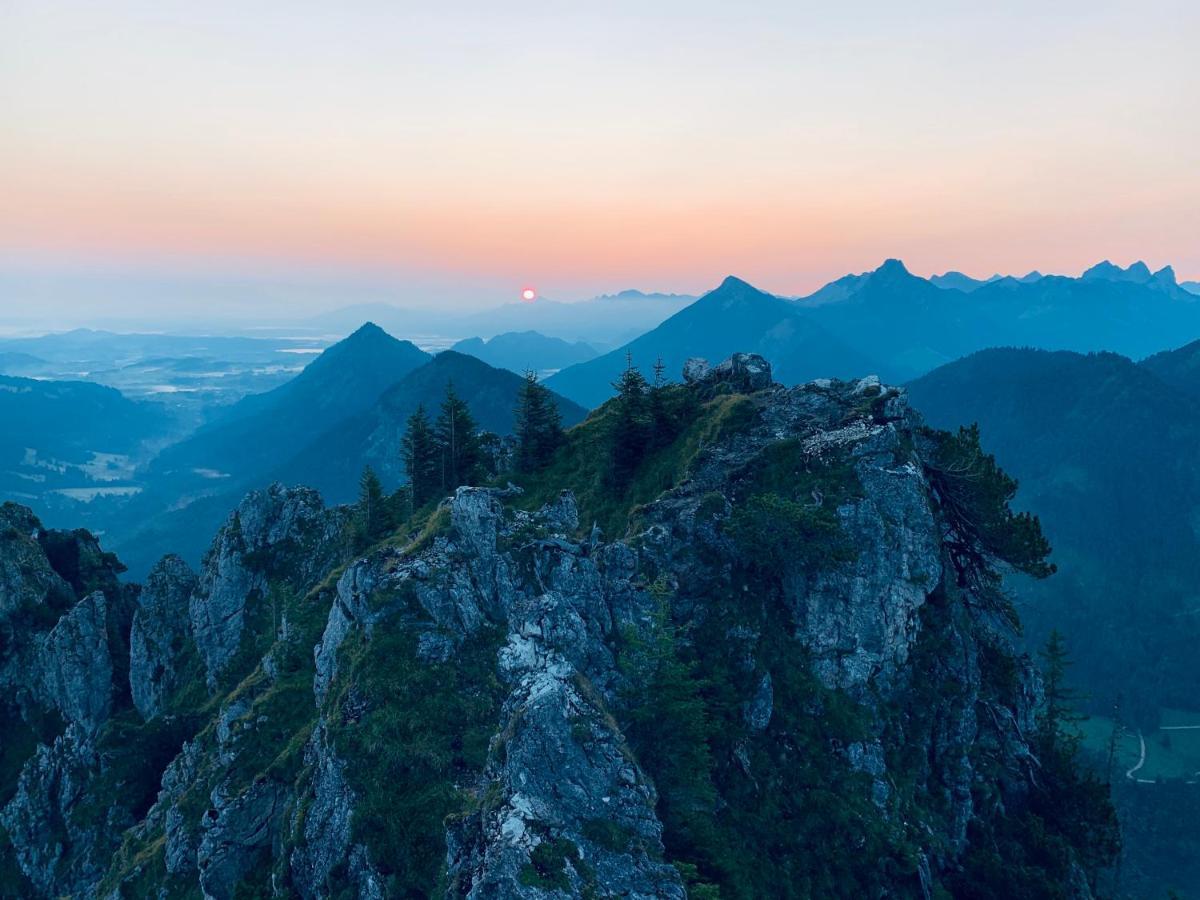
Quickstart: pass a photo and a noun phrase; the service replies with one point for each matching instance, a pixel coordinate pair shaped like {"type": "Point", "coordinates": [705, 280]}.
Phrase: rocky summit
{"type": "Point", "coordinates": [770, 660]}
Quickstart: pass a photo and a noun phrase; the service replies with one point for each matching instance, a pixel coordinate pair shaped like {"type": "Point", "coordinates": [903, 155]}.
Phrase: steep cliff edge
{"type": "Point", "coordinates": [768, 660]}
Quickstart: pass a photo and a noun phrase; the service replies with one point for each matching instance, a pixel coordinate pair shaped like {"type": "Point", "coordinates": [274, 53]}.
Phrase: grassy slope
{"type": "Point", "coordinates": [582, 465]}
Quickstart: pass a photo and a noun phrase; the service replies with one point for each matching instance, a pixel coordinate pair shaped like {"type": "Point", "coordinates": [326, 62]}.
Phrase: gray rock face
{"type": "Point", "coordinates": [181, 843]}
{"type": "Point", "coordinates": [562, 767]}
{"type": "Point", "coordinates": [326, 828]}
{"type": "Point", "coordinates": [860, 619]}
{"type": "Point", "coordinates": [350, 605]}
{"type": "Point", "coordinates": [77, 666]}
{"type": "Point", "coordinates": [278, 531]}
{"type": "Point", "coordinates": [56, 854]}
{"type": "Point", "coordinates": [218, 607]}
{"type": "Point", "coordinates": [26, 577]}
{"type": "Point", "coordinates": [238, 832]}
{"type": "Point", "coordinates": [32, 597]}
{"type": "Point", "coordinates": [744, 372]}
{"type": "Point", "coordinates": [560, 764]}
{"type": "Point", "coordinates": [695, 369]}
{"type": "Point", "coordinates": [326, 822]}
{"type": "Point", "coordinates": [159, 634]}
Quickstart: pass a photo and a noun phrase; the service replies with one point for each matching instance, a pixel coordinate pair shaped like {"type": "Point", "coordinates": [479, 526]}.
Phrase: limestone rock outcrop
{"type": "Point", "coordinates": [464, 707]}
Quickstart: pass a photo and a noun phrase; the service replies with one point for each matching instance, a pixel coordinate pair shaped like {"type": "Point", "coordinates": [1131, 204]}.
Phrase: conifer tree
{"type": "Point", "coordinates": [1058, 709]}
{"type": "Point", "coordinates": [632, 426]}
{"type": "Point", "coordinates": [538, 425]}
{"type": "Point", "coordinates": [974, 495]}
{"type": "Point", "coordinates": [661, 421]}
{"type": "Point", "coordinates": [420, 450]}
{"type": "Point", "coordinates": [373, 513]}
{"type": "Point", "coordinates": [457, 436]}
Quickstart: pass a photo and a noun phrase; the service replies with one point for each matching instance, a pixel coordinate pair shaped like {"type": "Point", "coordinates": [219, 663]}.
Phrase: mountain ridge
{"type": "Point", "coordinates": [735, 313]}
{"type": "Point", "coordinates": [511, 686]}
{"type": "Point", "coordinates": [522, 351]}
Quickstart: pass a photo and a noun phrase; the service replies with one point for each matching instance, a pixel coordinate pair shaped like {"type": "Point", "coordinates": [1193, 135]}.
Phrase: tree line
{"type": "Point", "coordinates": [441, 453]}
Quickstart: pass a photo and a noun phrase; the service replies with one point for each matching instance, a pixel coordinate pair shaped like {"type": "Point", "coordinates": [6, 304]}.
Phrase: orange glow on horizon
{"type": "Point", "coordinates": [629, 146]}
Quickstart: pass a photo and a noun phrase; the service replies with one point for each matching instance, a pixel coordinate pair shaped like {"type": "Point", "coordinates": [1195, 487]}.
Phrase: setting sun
{"type": "Point", "coordinates": [529, 295]}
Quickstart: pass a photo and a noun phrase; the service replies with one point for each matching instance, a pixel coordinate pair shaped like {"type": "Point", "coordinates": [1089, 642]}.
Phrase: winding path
{"type": "Point", "coordinates": [1131, 774]}
{"type": "Point", "coordinates": [1195, 779]}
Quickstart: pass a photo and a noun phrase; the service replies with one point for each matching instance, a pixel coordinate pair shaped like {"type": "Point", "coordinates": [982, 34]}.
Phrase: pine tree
{"type": "Point", "coordinates": [985, 534]}
{"type": "Point", "coordinates": [400, 503]}
{"type": "Point", "coordinates": [373, 512]}
{"type": "Point", "coordinates": [662, 423]}
{"type": "Point", "coordinates": [1071, 802]}
{"type": "Point", "coordinates": [632, 426]}
{"type": "Point", "coordinates": [538, 425]}
{"type": "Point", "coordinates": [1059, 703]}
{"type": "Point", "coordinates": [457, 436]}
{"type": "Point", "coordinates": [420, 450]}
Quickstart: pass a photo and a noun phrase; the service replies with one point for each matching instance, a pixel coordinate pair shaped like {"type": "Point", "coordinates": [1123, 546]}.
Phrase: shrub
{"type": "Point", "coordinates": [772, 532]}
{"type": "Point", "coordinates": [547, 866]}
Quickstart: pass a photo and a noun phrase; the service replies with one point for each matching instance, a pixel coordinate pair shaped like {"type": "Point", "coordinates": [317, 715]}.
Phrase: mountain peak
{"type": "Point", "coordinates": [369, 346]}
{"type": "Point", "coordinates": [892, 271]}
{"type": "Point", "coordinates": [734, 290]}
{"type": "Point", "coordinates": [1165, 275]}
{"type": "Point", "coordinates": [1102, 269]}
{"type": "Point", "coordinates": [368, 340]}
{"type": "Point", "coordinates": [732, 282]}
{"type": "Point", "coordinates": [367, 330]}
{"type": "Point", "coordinates": [891, 268]}
{"type": "Point", "coordinates": [1138, 273]}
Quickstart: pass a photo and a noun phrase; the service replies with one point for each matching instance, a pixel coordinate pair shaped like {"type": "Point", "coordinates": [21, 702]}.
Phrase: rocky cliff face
{"type": "Point", "coordinates": [770, 674]}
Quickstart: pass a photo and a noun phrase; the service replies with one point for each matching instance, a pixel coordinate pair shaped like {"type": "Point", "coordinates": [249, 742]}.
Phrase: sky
{"type": "Point", "coordinates": [247, 157]}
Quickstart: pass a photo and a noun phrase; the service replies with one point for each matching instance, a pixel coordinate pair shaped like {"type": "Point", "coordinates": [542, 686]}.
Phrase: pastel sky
{"type": "Point", "coordinates": [457, 151]}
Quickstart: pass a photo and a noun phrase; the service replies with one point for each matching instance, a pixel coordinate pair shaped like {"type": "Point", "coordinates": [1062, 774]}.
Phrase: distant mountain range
{"type": "Point", "coordinates": [250, 438]}
{"type": "Point", "coordinates": [522, 351]}
{"type": "Point", "coordinates": [333, 462]}
{"type": "Point", "coordinates": [900, 326]}
{"type": "Point", "coordinates": [14, 362]}
{"type": "Point", "coordinates": [965, 283]}
{"type": "Point", "coordinates": [347, 409]}
{"type": "Point", "coordinates": [1104, 447]}
{"type": "Point", "coordinates": [886, 321]}
{"type": "Point", "coordinates": [735, 316]}
{"type": "Point", "coordinates": [1137, 273]}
